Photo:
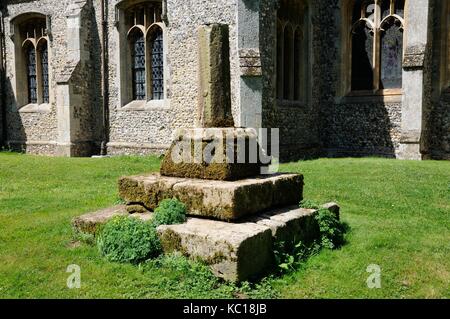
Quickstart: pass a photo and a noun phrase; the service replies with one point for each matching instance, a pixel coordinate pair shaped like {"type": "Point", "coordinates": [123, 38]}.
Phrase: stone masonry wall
{"type": "Point", "coordinates": [87, 83]}
{"type": "Point", "coordinates": [440, 129]}
{"type": "Point", "coordinates": [1, 104]}
{"type": "Point", "coordinates": [35, 130]}
{"type": "Point", "coordinates": [1, 113]}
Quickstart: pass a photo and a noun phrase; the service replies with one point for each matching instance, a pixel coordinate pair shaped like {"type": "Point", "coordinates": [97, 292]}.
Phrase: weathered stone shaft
{"type": "Point", "coordinates": [215, 89]}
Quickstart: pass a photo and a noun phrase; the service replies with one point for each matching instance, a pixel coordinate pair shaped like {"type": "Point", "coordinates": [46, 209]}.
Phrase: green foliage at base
{"type": "Point", "coordinates": [128, 240]}
{"type": "Point", "coordinates": [290, 256]}
{"type": "Point", "coordinates": [189, 279]}
{"type": "Point", "coordinates": [85, 238]}
{"type": "Point", "coordinates": [332, 230]}
{"type": "Point", "coordinates": [169, 212]}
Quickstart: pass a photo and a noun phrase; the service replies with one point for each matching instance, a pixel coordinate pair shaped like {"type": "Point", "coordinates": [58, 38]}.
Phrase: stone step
{"type": "Point", "coordinates": [221, 200]}
{"type": "Point", "coordinates": [235, 251]}
{"type": "Point", "coordinates": [241, 251]}
{"type": "Point", "coordinates": [91, 222]}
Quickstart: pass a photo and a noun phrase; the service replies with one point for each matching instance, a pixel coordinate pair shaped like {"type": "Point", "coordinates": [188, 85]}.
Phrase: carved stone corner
{"type": "Point", "coordinates": [414, 57]}
{"type": "Point", "coordinates": [250, 62]}
{"type": "Point", "coordinates": [411, 137]}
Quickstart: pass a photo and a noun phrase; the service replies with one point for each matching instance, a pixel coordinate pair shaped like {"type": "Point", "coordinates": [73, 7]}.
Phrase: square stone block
{"type": "Point", "coordinates": [226, 154]}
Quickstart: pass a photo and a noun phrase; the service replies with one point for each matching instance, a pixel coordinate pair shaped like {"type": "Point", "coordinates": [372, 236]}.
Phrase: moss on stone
{"type": "Point", "coordinates": [171, 242]}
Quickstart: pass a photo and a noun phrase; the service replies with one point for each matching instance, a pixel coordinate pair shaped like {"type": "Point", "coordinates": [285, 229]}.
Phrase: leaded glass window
{"type": "Point", "coordinates": [298, 64]}
{"type": "Point", "coordinates": [44, 68]}
{"type": "Point", "coordinates": [138, 66]}
{"type": "Point", "coordinates": [377, 44]}
{"type": "Point", "coordinates": [31, 75]}
{"type": "Point", "coordinates": [280, 66]}
{"type": "Point", "coordinates": [158, 65]}
{"type": "Point", "coordinates": [391, 57]}
{"type": "Point", "coordinates": [145, 35]}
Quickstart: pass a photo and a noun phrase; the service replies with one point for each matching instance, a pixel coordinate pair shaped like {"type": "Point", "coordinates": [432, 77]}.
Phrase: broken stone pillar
{"type": "Point", "coordinates": [416, 84]}
{"type": "Point", "coordinates": [217, 150]}
{"type": "Point", "coordinates": [215, 92]}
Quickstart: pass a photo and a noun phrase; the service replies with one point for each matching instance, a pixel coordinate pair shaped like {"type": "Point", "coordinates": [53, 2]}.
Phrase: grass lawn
{"type": "Point", "coordinates": [399, 213]}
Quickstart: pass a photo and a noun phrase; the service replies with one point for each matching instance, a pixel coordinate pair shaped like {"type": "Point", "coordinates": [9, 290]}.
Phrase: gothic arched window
{"type": "Point", "coordinates": [377, 44]}
{"type": "Point", "coordinates": [145, 35]}
{"type": "Point", "coordinates": [292, 51]}
{"type": "Point", "coordinates": [33, 38]}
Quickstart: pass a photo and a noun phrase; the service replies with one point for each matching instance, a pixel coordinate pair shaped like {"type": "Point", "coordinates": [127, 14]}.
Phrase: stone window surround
{"type": "Point", "coordinates": [301, 28]}
{"type": "Point", "coordinates": [20, 90]}
{"type": "Point", "coordinates": [126, 102]}
{"type": "Point", "coordinates": [345, 94]}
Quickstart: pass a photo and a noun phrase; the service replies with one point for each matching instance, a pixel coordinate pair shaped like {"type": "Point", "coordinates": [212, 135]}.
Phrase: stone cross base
{"type": "Point", "coordinates": [226, 154]}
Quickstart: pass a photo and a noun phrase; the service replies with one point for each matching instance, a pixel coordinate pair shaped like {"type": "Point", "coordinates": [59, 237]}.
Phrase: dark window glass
{"type": "Point", "coordinates": [357, 10]}
{"type": "Point", "coordinates": [280, 44]}
{"type": "Point", "coordinates": [158, 65]}
{"type": "Point", "coordinates": [385, 8]}
{"type": "Point", "coordinates": [44, 66]}
{"type": "Point", "coordinates": [400, 8]}
{"type": "Point", "coordinates": [31, 74]}
{"type": "Point", "coordinates": [288, 61]}
{"type": "Point", "coordinates": [362, 59]}
{"type": "Point", "coordinates": [297, 65]}
{"type": "Point", "coordinates": [391, 57]}
{"type": "Point", "coordinates": [138, 66]}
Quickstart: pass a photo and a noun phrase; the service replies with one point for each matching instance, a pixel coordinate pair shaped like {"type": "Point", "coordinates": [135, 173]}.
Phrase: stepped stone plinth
{"type": "Point", "coordinates": [236, 212]}
{"type": "Point", "coordinates": [222, 200]}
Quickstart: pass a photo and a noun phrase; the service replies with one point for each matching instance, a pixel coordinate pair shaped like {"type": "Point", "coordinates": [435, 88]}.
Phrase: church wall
{"type": "Point", "coordinates": [327, 122]}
